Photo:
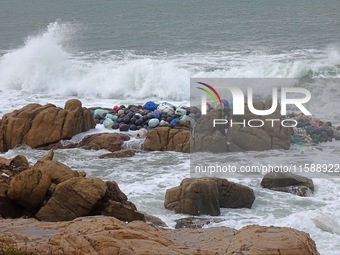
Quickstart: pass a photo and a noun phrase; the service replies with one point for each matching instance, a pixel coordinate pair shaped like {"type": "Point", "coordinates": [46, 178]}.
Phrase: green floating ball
{"type": "Point", "coordinates": [108, 123]}
{"type": "Point", "coordinates": [153, 122]}
{"type": "Point", "coordinates": [99, 112]}
{"type": "Point", "coordinates": [111, 116]}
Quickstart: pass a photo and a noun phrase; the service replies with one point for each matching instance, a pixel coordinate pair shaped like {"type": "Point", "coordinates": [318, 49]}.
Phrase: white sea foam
{"type": "Point", "coordinates": [45, 64]}
{"type": "Point", "coordinates": [45, 70]}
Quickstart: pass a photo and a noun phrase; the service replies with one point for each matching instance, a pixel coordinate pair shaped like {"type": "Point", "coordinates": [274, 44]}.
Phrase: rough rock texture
{"type": "Point", "coordinates": [204, 124]}
{"type": "Point", "coordinates": [196, 196]}
{"type": "Point", "coordinates": [29, 188]}
{"type": "Point", "coordinates": [54, 192]}
{"type": "Point", "coordinates": [73, 198]}
{"type": "Point", "coordinates": [56, 171]}
{"type": "Point", "coordinates": [4, 163]}
{"type": "Point", "coordinates": [216, 142]}
{"type": "Point", "coordinates": [154, 221]}
{"type": "Point", "coordinates": [168, 139]}
{"type": "Point", "coordinates": [240, 137]}
{"type": "Point", "coordinates": [207, 137]}
{"type": "Point", "coordinates": [120, 211]}
{"type": "Point", "coordinates": [36, 125]}
{"type": "Point", "coordinates": [109, 141]}
{"type": "Point", "coordinates": [195, 222]}
{"type": "Point", "coordinates": [115, 203]}
{"type": "Point", "coordinates": [108, 236]}
{"type": "Point", "coordinates": [119, 154]}
{"type": "Point", "coordinates": [288, 182]}
{"type": "Point", "coordinates": [19, 163]}
{"type": "Point", "coordinates": [249, 138]}
{"type": "Point", "coordinates": [114, 193]}
{"type": "Point", "coordinates": [270, 136]}
{"type": "Point", "coordinates": [234, 195]}
{"type": "Point", "coordinates": [259, 240]}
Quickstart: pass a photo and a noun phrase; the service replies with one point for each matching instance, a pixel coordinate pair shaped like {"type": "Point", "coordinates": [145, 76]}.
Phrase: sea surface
{"type": "Point", "coordinates": [128, 52]}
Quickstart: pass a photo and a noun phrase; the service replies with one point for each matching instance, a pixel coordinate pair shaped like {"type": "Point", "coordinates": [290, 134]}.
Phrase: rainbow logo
{"type": "Point", "coordinates": [216, 98]}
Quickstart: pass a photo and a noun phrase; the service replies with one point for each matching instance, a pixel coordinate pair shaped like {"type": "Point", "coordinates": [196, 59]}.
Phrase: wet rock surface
{"type": "Point", "coordinates": [289, 183]}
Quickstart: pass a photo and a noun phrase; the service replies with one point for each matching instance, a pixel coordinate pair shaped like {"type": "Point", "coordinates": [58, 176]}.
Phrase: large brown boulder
{"type": "Point", "coordinates": [109, 141]}
{"type": "Point", "coordinates": [38, 125]}
{"type": "Point", "coordinates": [168, 139]}
{"type": "Point", "coordinates": [29, 188]}
{"type": "Point", "coordinates": [288, 182]}
{"type": "Point", "coordinates": [259, 240]}
{"type": "Point", "coordinates": [194, 197]}
{"type": "Point", "coordinates": [73, 198]}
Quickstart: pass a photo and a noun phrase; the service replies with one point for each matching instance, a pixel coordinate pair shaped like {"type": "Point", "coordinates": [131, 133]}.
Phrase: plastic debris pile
{"type": "Point", "coordinates": [151, 115]}
{"type": "Point", "coordinates": [312, 131]}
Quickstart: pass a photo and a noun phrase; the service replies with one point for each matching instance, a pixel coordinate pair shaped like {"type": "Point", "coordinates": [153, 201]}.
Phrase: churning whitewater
{"type": "Point", "coordinates": [47, 63]}
{"type": "Point", "coordinates": [49, 67]}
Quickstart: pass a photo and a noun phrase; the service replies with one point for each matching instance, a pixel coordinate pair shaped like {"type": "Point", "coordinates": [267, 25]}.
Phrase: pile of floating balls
{"type": "Point", "coordinates": [312, 131]}
{"type": "Point", "coordinates": [150, 115]}
{"type": "Point", "coordinates": [308, 131]}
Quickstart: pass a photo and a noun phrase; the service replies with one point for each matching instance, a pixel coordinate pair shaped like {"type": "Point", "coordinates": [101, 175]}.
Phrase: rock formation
{"type": "Point", "coordinates": [38, 125]}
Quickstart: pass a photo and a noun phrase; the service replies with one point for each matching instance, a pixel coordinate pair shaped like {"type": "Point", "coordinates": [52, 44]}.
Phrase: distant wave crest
{"type": "Point", "coordinates": [43, 65]}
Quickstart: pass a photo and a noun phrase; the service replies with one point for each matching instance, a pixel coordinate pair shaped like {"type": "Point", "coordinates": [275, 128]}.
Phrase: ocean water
{"type": "Point", "coordinates": [123, 52]}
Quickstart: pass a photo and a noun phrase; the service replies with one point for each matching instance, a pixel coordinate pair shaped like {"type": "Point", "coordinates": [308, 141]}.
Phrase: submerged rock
{"type": "Point", "coordinates": [194, 222]}
{"type": "Point", "coordinates": [109, 141]}
{"type": "Point", "coordinates": [289, 183]}
{"type": "Point", "coordinates": [119, 154]}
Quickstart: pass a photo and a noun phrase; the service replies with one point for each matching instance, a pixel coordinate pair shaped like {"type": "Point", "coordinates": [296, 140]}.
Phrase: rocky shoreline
{"type": "Point", "coordinates": [108, 236]}
{"type": "Point", "coordinates": [93, 216]}
{"type": "Point", "coordinates": [164, 127]}
{"type": "Point", "coordinates": [61, 211]}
